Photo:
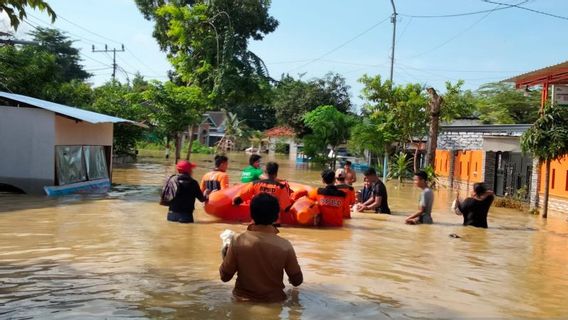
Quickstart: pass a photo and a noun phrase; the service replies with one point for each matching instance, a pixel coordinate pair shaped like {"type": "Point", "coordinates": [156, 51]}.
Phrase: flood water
{"type": "Point", "coordinates": [81, 257]}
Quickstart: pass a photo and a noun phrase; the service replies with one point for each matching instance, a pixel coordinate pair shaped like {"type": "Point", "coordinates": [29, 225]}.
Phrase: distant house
{"type": "Point", "coordinates": [53, 148]}
{"type": "Point", "coordinates": [211, 129]}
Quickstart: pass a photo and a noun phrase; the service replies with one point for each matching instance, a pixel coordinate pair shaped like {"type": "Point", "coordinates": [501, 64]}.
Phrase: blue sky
{"type": "Point", "coordinates": [477, 48]}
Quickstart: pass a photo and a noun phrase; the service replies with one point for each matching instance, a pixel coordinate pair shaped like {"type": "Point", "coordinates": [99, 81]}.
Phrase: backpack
{"type": "Point", "coordinates": [169, 190]}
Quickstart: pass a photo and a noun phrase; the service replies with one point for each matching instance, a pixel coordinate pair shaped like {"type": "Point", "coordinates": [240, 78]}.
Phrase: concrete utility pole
{"type": "Point", "coordinates": [393, 21]}
{"type": "Point", "coordinates": [114, 51]}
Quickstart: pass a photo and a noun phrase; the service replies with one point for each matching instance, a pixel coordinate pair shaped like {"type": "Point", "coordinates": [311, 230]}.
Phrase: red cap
{"type": "Point", "coordinates": [185, 166]}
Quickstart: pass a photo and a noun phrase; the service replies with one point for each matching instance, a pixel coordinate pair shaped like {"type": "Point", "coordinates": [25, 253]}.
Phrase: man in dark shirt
{"type": "Point", "coordinates": [182, 205]}
{"type": "Point", "coordinates": [379, 200]}
{"type": "Point", "coordinates": [475, 208]}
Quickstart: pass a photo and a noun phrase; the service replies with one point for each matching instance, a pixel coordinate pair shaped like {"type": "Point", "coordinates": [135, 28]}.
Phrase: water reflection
{"type": "Point", "coordinates": [117, 256]}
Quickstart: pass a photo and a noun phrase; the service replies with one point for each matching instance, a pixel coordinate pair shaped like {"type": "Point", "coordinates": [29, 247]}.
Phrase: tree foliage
{"type": "Point", "coordinates": [207, 44]}
{"type": "Point", "coordinates": [16, 10]}
{"type": "Point", "coordinates": [330, 127]}
{"type": "Point", "coordinates": [500, 103]}
{"type": "Point", "coordinates": [294, 97]}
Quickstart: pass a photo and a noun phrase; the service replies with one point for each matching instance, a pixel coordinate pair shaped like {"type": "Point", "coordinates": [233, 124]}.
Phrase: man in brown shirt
{"type": "Point", "coordinates": [260, 257]}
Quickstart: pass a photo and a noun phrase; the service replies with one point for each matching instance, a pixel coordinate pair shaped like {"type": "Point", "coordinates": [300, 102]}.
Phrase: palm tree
{"type": "Point", "coordinates": [547, 140]}
{"type": "Point", "coordinates": [233, 130]}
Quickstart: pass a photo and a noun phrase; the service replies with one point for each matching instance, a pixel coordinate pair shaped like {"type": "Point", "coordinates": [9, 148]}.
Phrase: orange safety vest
{"type": "Point", "coordinates": [350, 198]}
{"type": "Point", "coordinates": [332, 203]}
{"type": "Point", "coordinates": [214, 180]}
{"type": "Point", "coordinates": [279, 189]}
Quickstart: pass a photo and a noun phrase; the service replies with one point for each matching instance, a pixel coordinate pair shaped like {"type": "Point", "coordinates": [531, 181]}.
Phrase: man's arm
{"type": "Point", "coordinates": [224, 181]}
{"type": "Point", "coordinates": [373, 203]}
{"type": "Point", "coordinates": [421, 210]}
{"type": "Point", "coordinates": [245, 194]}
{"type": "Point", "coordinates": [293, 270]}
{"type": "Point", "coordinates": [229, 266]}
{"type": "Point", "coordinates": [198, 193]}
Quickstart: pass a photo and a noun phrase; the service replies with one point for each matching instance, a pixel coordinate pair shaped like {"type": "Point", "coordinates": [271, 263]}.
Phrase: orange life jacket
{"type": "Point", "coordinates": [350, 198]}
{"type": "Point", "coordinates": [279, 189]}
{"type": "Point", "coordinates": [332, 203]}
{"type": "Point", "coordinates": [214, 180]}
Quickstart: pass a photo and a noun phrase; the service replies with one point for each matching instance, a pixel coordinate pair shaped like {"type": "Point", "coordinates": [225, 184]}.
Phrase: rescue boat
{"type": "Point", "coordinates": [302, 212]}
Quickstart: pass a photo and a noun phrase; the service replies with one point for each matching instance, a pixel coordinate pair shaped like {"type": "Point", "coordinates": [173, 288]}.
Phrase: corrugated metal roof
{"type": "Point", "coordinates": [543, 72]}
{"type": "Point", "coordinates": [75, 113]}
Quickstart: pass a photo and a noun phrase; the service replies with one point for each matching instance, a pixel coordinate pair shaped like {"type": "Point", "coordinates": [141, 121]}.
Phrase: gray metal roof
{"type": "Point", "coordinates": [75, 113]}
{"type": "Point", "coordinates": [489, 128]}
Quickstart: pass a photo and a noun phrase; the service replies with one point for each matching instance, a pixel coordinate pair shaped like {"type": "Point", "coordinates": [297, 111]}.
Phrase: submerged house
{"type": "Point", "coordinates": [53, 148]}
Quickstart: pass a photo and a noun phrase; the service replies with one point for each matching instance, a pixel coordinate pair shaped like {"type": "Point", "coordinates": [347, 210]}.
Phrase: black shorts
{"type": "Point", "coordinates": [180, 217]}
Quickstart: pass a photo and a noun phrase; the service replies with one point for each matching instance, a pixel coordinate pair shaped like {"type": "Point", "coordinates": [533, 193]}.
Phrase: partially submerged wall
{"type": "Point", "coordinates": [27, 138]}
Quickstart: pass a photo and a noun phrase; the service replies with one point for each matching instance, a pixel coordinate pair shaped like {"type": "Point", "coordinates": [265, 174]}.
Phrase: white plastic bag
{"type": "Point", "coordinates": [227, 237]}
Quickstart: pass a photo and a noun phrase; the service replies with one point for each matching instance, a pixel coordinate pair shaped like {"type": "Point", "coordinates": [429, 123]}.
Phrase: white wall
{"type": "Point", "coordinates": [71, 132]}
{"type": "Point", "coordinates": [27, 138]}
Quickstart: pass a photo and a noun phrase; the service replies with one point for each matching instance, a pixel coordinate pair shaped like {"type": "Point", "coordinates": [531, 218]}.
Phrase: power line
{"type": "Point", "coordinates": [457, 35]}
{"type": "Point", "coordinates": [341, 45]}
{"type": "Point", "coordinates": [454, 15]}
{"type": "Point", "coordinates": [518, 6]}
{"type": "Point", "coordinates": [87, 30]}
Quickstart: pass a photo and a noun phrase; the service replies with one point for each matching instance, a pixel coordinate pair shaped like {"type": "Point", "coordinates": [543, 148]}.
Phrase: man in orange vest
{"type": "Point", "coordinates": [218, 178]}
{"type": "Point", "coordinates": [349, 191]}
{"type": "Point", "coordinates": [332, 201]}
{"type": "Point", "coordinates": [273, 186]}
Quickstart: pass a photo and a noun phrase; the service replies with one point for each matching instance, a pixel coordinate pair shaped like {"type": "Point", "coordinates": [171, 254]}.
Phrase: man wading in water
{"type": "Point", "coordinates": [260, 257]}
{"type": "Point", "coordinates": [424, 214]}
{"type": "Point", "coordinates": [183, 203]}
{"type": "Point", "coordinates": [475, 208]}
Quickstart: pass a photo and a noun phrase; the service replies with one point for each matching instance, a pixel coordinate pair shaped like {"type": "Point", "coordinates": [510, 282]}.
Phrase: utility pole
{"type": "Point", "coordinates": [114, 51]}
{"type": "Point", "coordinates": [393, 21]}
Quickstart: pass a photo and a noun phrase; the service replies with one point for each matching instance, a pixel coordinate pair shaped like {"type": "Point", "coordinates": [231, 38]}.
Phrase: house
{"type": "Point", "coordinates": [470, 153]}
{"type": "Point", "coordinates": [54, 148]}
{"type": "Point", "coordinates": [211, 129]}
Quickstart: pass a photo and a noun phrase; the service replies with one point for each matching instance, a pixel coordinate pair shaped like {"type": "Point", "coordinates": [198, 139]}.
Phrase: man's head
{"type": "Point", "coordinates": [347, 165]}
{"type": "Point", "coordinates": [221, 163]}
{"type": "Point", "coordinates": [264, 209]}
{"type": "Point", "coordinates": [479, 189]}
{"type": "Point", "coordinates": [340, 175]}
{"type": "Point", "coordinates": [328, 176]}
{"type": "Point", "coordinates": [272, 170]}
{"type": "Point", "coordinates": [184, 166]}
{"type": "Point", "coordinates": [421, 179]}
{"type": "Point", "coordinates": [371, 175]}
{"type": "Point", "coordinates": [254, 160]}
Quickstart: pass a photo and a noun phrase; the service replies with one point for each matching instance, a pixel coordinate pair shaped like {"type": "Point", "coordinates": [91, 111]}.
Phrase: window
{"type": "Point", "coordinates": [553, 178]}
{"type": "Point", "coordinates": [80, 163]}
{"type": "Point", "coordinates": [566, 186]}
{"type": "Point", "coordinates": [468, 169]}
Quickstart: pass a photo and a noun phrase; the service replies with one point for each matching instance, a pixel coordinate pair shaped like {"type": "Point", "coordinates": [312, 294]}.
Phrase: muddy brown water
{"type": "Point", "coordinates": [116, 256]}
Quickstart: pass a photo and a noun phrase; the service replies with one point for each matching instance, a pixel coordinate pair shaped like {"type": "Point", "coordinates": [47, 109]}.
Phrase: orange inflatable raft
{"type": "Point", "coordinates": [303, 212]}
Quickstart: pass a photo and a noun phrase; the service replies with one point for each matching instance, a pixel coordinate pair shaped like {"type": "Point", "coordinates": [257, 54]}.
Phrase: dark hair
{"type": "Point", "coordinates": [272, 168]}
{"type": "Point", "coordinates": [370, 172]}
{"type": "Point", "coordinates": [348, 163]}
{"type": "Point", "coordinates": [422, 175]}
{"type": "Point", "coordinates": [328, 176]}
{"type": "Point", "coordinates": [480, 188]}
{"type": "Point", "coordinates": [219, 160]}
{"type": "Point", "coordinates": [264, 209]}
{"type": "Point", "coordinates": [254, 158]}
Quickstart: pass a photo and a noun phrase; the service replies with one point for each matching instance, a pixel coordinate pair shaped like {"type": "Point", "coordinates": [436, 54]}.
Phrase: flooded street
{"type": "Point", "coordinates": [117, 256]}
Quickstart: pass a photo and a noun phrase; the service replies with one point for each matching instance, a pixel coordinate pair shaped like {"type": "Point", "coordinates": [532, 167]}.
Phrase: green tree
{"type": "Point", "coordinates": [500, 103]}
{"type": "Point", "coordinates": [118, 100]}
{"type": "Point", "coordinates": [175, 109]}
{"type": "Point", "coordinates": [207, 44]}
{"type": "Point", "coordinates": [547, 140]}
{"type": "Point", "coordinates": [16, 10]}
{"type": "Point", "coordinates": [330, 128]}
{"type": "Point", "coordinates": [294, 97]}
{"type": "Point", "coordinates": [67, 57]}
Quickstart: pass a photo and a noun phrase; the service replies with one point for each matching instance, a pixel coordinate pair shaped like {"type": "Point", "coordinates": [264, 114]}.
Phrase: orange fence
{"type": "Point", "coordinates": [558, 177]}
{"type": "Point", "coordinates": [442, 165]}
{"type": "Point", "coordinates": [468, 165]}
